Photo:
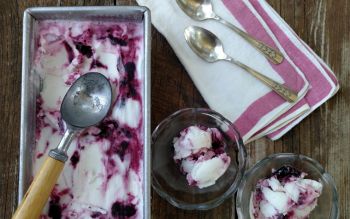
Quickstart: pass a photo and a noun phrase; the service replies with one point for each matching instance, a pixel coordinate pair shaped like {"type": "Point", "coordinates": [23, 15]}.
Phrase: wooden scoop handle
{"type": "Point", "coordinates": [39, 191]}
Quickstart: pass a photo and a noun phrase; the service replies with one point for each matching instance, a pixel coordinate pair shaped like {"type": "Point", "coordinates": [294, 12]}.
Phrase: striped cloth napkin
{"type": "Point", "coordinates": [255, 110]}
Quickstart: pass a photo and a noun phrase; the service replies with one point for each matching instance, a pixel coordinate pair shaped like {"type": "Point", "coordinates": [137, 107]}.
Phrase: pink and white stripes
{"type": "Point", "coordinates": [254, 110]}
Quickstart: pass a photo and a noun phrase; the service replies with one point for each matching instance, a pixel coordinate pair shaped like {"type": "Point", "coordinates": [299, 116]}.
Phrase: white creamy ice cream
{"type": "Point", "coordinates": [286, 194]}
{"type": "Point", "coordinates": [191, 141]}
{"type": "Point", "coordinates": [200, 152]}
{"type": "Point", "coordinates": [103, 177]}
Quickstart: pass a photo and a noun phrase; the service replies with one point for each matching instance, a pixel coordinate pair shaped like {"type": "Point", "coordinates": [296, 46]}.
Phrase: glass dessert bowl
{"type": "Point", "coordinates": [168, 177]}
{"type": "Point", "coordinates": [327, 202]}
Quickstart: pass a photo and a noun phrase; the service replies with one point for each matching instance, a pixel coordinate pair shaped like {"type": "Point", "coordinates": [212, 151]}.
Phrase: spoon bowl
{"type": "Point", "coordinates": [197, 9]}
{"type": "Point", "coordinates": [204, 43]}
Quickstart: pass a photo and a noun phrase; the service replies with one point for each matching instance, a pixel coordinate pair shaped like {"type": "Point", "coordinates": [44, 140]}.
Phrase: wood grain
{"type": "Point", "coordinates": [324, 135]}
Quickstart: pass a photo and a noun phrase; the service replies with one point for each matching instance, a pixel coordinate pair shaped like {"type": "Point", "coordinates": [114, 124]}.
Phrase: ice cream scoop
{"type": "Point", "coordinates": [86, 103]}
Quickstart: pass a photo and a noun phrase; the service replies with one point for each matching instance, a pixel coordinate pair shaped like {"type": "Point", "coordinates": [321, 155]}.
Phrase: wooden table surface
{"type": "Point", "coordinates": [324, 135]}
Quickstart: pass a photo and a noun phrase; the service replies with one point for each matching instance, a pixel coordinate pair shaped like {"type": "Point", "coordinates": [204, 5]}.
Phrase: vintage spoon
{"type": "Point", "coordinates": [85, 104]}
{"type": "Point", "coordinates": [206, 45]}
{"type": "Point", "coordinates": [203, 10]}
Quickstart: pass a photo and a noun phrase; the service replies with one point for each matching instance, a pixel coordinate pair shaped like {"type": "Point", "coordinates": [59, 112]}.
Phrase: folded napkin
{"type": "Point", "coordinates": [254, 109]}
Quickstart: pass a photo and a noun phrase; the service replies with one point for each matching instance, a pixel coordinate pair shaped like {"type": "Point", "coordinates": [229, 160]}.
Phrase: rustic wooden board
{"type": "Point", "coordinates": [324, 135]}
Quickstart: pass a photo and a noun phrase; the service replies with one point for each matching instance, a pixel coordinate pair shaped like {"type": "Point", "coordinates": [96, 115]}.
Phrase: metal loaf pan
{"type": "Point", "coordinates": [31, 82]}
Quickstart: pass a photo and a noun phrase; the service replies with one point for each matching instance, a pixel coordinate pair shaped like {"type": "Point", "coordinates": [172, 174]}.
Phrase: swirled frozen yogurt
{"type": "Point", "coordinates": [286, 194]}
{"type": "Point", "coordinates": [200, 153]}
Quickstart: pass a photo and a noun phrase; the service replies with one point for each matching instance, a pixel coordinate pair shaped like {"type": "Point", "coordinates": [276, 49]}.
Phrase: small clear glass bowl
{"type": "Point", "coordinates": [171, 184]}
{"type": "Point", "coordinates": [327, 203]}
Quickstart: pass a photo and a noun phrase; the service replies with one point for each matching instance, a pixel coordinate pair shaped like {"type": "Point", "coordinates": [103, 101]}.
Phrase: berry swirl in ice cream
{"type": "Point", "coordinates": [285, 194]}
{"type": "Point", "coordinates": [103, 178]}
{"type": "Point", "coordinates": [200, 153]}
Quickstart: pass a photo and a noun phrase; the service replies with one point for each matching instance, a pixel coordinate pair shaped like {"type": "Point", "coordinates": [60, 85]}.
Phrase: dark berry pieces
{"type": "Point", "coordinates": [258, 195]}
{"type": "Point", "coordinates": [106, 128]}
{"type": "Point", "coordinates": [127, 133]}
{"type": "Point", "coordinates": [302, 198]}
{"type": "Point", "coordinates": [55, 211]}
{"type": "Point", "coordinates": [121, 149]}
{"type": "Point", "coordinates": [123, 83]}
{"type": "Point", "coordinates": [216, 144]}
{"type": "Point", "coordinates": [116, 40]}
{"type": "Point", "coordinates": [124, 145]}
{"type": "Point", "coordinates": [95, 214]}
{"type": "Point", "coordinates": [132, 91]}
{"type": "Point", "coordinates": [121, 210]}
{"type": "Point", "coordinates": [69, 51]}
{"type": "Point", "coordinates": [39, 155]}
{"type": "Point", "coordinates": [286, 171]}
{"type": "Point", "coordinates": [75, 159]}
{"type": "Point", "coordinates": [130, 70]}
{"type": "Point", "coordinates": [84, 49]}
{"type": "Point", "coordinates": [281, 216]}
{"type": "Point", "coordinates": [97, 64]}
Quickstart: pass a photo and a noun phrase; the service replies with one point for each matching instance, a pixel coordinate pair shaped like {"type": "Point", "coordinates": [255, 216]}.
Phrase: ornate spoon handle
{"type": "Point", "coordinates": [285, 92]}
{"type": "Point", "coordinates": [273, 55]}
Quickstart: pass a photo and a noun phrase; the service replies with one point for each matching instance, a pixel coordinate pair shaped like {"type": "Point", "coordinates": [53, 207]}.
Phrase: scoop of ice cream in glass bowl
{"type": "Point", "coordinates": [198, 159]}
{"type": "Point", "coordinates": [287, 185]}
